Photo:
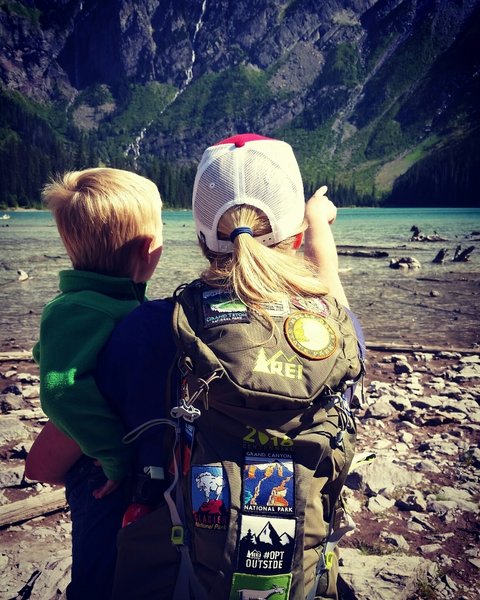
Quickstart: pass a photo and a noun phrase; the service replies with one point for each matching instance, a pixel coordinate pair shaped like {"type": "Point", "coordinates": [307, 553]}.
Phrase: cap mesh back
{"type": "Point", "coordinates": [266, 181]}
{"type": "Point", "coordinates": [263, 174]}
{"type": "Point", "coordinates": [215, 187]}
{"type": "Point", "coordinates": [262, 179]}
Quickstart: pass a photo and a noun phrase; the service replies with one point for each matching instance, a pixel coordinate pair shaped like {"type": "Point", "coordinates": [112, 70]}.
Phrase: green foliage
{"type": "Point", "coordinates": [331, 89]}
{"type": "Point", "coordinates": [139, 106]}
{"type": "Point", "coordinates": [54, 114]}
{"type": "Point", "coordinates": [321, 111]}
{"type": "Point", "coordinates": [309, 147]}
{"type": "Point", "coordinates": [174, 182]}
{"type": "Point", "coordinates": [14, 102]}
{"type": "Point", "coordinates": [344, 194]}
{"type": "Point", "coordinates": [346, 188]}
{"type": "Point", "coordinates": [383, 33]}
{"type": "Point", "coordinates": [21, 10]}
{"type": "Point", "coordinates": [235, 94]}
{"type": "Point", "coordinates": [144, 104]}
{"type": "Point", "coordinates": [30, 151]}
{"type": "Point", "coordinates": [390, 171]}
{"type": "Point", "coordinates": [342, 66]}
{"type": "Point", "coordinates": [95, 95]}
{"type": "Point", "coordinates": [386, 139]}
{"type": "Point", "coordinates": [399, 73]}
{"type": "Point", "coordinates": [450, 177]}
{"type": "Point", "coordinates": [425, 590]}
{"type": "Point", "coordinates": [447, 98]}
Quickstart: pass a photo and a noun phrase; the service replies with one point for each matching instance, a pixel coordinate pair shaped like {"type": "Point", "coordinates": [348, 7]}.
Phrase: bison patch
{"type": "Point", "coordinates": [210, 497]}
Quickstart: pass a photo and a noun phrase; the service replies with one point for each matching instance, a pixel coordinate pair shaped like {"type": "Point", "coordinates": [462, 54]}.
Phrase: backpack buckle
{"type": "Point", "coordinates": [188, 413]}
{"type": "Point", "coordinates": [329, 556]}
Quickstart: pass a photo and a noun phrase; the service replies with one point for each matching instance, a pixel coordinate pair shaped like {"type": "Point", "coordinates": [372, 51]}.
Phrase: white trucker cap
{"type": "Point", "coordinates": [254, 170]}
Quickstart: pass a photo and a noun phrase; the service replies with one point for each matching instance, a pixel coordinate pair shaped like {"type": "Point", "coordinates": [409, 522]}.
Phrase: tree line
{"type": "Point", "coordinates": [31, 151]}
{"type": "Point", "coordinates": [450, 177]}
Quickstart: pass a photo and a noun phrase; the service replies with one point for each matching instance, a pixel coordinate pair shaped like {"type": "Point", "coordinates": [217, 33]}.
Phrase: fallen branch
{"type": "Point", "coordinates": [23, 510]}
{"type": "Point", "coordinates": [398, 347]}
{"type": "Point", "coordinates": [463, 255]}
{"type": "Point", "coordinates": [16, 355]}
{"type": "Point", "coordinates": [363, 253]}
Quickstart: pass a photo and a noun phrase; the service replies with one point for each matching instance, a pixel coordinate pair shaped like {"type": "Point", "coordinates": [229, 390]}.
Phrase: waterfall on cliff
{"type": "Point", "coordinates": [134, 147]}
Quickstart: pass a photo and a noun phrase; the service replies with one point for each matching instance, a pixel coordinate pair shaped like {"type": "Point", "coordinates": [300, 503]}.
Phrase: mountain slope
{"type": "Point", "coordinates": [367, 91]}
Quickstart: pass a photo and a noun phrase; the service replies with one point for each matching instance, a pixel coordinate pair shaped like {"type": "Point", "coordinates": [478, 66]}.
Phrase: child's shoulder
{"type": "Point", "coordinates": [151, 313]}
{"type": "Point", "coordinates": [144, 336]}
{"type": "Point", "coordinates": [89, 299]}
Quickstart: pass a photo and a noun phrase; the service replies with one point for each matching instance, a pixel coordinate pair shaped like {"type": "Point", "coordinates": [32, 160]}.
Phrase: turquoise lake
{"type": "Point", "coordinates": [393, 305]}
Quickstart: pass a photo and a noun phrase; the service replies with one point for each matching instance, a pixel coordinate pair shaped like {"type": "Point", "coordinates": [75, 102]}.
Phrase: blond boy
{"type": "Point", "coordinates": [110, 223]}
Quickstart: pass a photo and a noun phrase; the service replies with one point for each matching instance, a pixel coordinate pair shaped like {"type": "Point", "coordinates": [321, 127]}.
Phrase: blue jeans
{"type": "Point", "coordinates": [95, 524]}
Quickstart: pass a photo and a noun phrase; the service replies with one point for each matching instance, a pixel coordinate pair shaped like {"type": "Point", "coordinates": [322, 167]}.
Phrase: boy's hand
{"type": "Point", "coordinates": [107, 488]}
{"type": "Point", "coordinates": [319, 206]}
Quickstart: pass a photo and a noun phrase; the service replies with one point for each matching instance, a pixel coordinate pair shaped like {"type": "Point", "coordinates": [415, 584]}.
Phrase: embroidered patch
{"type": "Point", "coordinates": [210, 497]}
{"type": "Point", "coordinates": [220, 307]}
{"type": "Point", "coordinates": [252, 587]}
{"type": "Point", "coordinates": [269, 483]}
{"type": "Point", "coordinates": [279, 364]}
{"type": "Point", "coordinates": [315, 305]}
{"type": "Point", "coordinates": [266, 545]}
{"type": "Point", "coordinates": [281, 308]}
{"type": "Point", "coordinates": [255, 438]}
{"type": "Point", "coordinates": [310, 335]}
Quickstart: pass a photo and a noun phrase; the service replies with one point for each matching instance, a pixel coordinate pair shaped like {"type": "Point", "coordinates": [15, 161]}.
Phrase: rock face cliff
{"type": "Point", "coordinates": [342, 79]}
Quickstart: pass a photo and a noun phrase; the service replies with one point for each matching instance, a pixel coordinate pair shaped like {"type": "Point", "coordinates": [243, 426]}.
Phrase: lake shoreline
{"type": "Point", "coordinates": [413, 309]}
{"type": "Point", "coordinates": [436, 304]}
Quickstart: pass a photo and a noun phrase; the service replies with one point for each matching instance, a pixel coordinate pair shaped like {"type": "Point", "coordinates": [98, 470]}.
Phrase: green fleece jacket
{"type": "Point", "coordinates": [73, 329]}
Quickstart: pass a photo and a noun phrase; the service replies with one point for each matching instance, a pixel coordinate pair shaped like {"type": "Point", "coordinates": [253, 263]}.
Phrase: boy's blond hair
{"type": "Point", "coordinates": [102, 215]}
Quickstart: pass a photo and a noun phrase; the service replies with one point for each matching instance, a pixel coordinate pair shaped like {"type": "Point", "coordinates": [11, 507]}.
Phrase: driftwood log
{"type": "Point", "coordinates": [440, 257]}
{"type": "Point", "coordinates": [462, 255]}
{"type": "Point", "coordinates": [398, 347]}
{"type": "Point", "coordinates": [364, 253]}
{"type": "Point", "coordinates": [16, 355]}
{"type": "Point", "coordinates": [31, 507]}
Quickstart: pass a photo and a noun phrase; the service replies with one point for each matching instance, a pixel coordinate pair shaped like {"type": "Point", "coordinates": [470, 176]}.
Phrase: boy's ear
{"type": "Point", "coordinates": [149, 249]}
{"type": "Point", "coordinates": [144, 247]}
{"type": "Point", "coordinates": [297, 242]}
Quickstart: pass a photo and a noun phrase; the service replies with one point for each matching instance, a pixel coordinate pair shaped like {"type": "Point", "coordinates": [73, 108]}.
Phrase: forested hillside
{"type": "Point", "coordinates": [379, 98]}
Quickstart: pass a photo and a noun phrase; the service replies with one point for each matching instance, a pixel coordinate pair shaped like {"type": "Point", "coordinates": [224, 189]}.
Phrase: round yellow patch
{"type": "Point", "coordinates": [310, 335]}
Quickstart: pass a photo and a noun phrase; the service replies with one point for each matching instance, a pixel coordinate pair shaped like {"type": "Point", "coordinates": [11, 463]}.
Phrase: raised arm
{"type": "Point", "coordinates": [320, 248]}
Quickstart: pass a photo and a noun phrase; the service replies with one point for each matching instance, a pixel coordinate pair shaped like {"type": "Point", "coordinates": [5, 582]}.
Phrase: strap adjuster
{"type": "Point", "coordinates": [329, 556]}
{"type": "Point", "coordinates": [176, 536]}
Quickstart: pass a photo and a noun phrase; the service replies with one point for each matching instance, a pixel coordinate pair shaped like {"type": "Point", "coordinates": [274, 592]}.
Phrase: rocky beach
{"type": "Point", "coordinates": [413, 495]}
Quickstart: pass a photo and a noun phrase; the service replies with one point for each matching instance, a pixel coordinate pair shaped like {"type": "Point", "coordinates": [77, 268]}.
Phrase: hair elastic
{"type": "Point", "coordinates": [240, 230]}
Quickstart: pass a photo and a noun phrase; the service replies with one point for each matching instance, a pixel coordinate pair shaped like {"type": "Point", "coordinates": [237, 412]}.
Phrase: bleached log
{"type": "Point", "coordinates": [16, 355]}
{"type": "Point", "coordinates": [363, 253]}
{"type": "Point", "coordinates": [22, 510]}
{"type": "Point", "coordinates": [396, 347]}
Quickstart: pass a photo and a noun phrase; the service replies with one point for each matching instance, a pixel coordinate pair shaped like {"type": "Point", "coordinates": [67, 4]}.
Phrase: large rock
{"type": "Point", "coordinates": [391, 577]}
{"type": "Point", "coordinates": [12, 430]}
{"type": "Point", "coordinates": [382, 475]}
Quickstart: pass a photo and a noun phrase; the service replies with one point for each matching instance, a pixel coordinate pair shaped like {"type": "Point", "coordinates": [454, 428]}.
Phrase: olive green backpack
{"type": "Point", "coordinates": [264, 441]}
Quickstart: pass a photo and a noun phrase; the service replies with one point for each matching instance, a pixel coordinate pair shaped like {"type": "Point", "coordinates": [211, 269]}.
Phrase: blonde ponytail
{"type": "Point", "coordinates": [258, 274]}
